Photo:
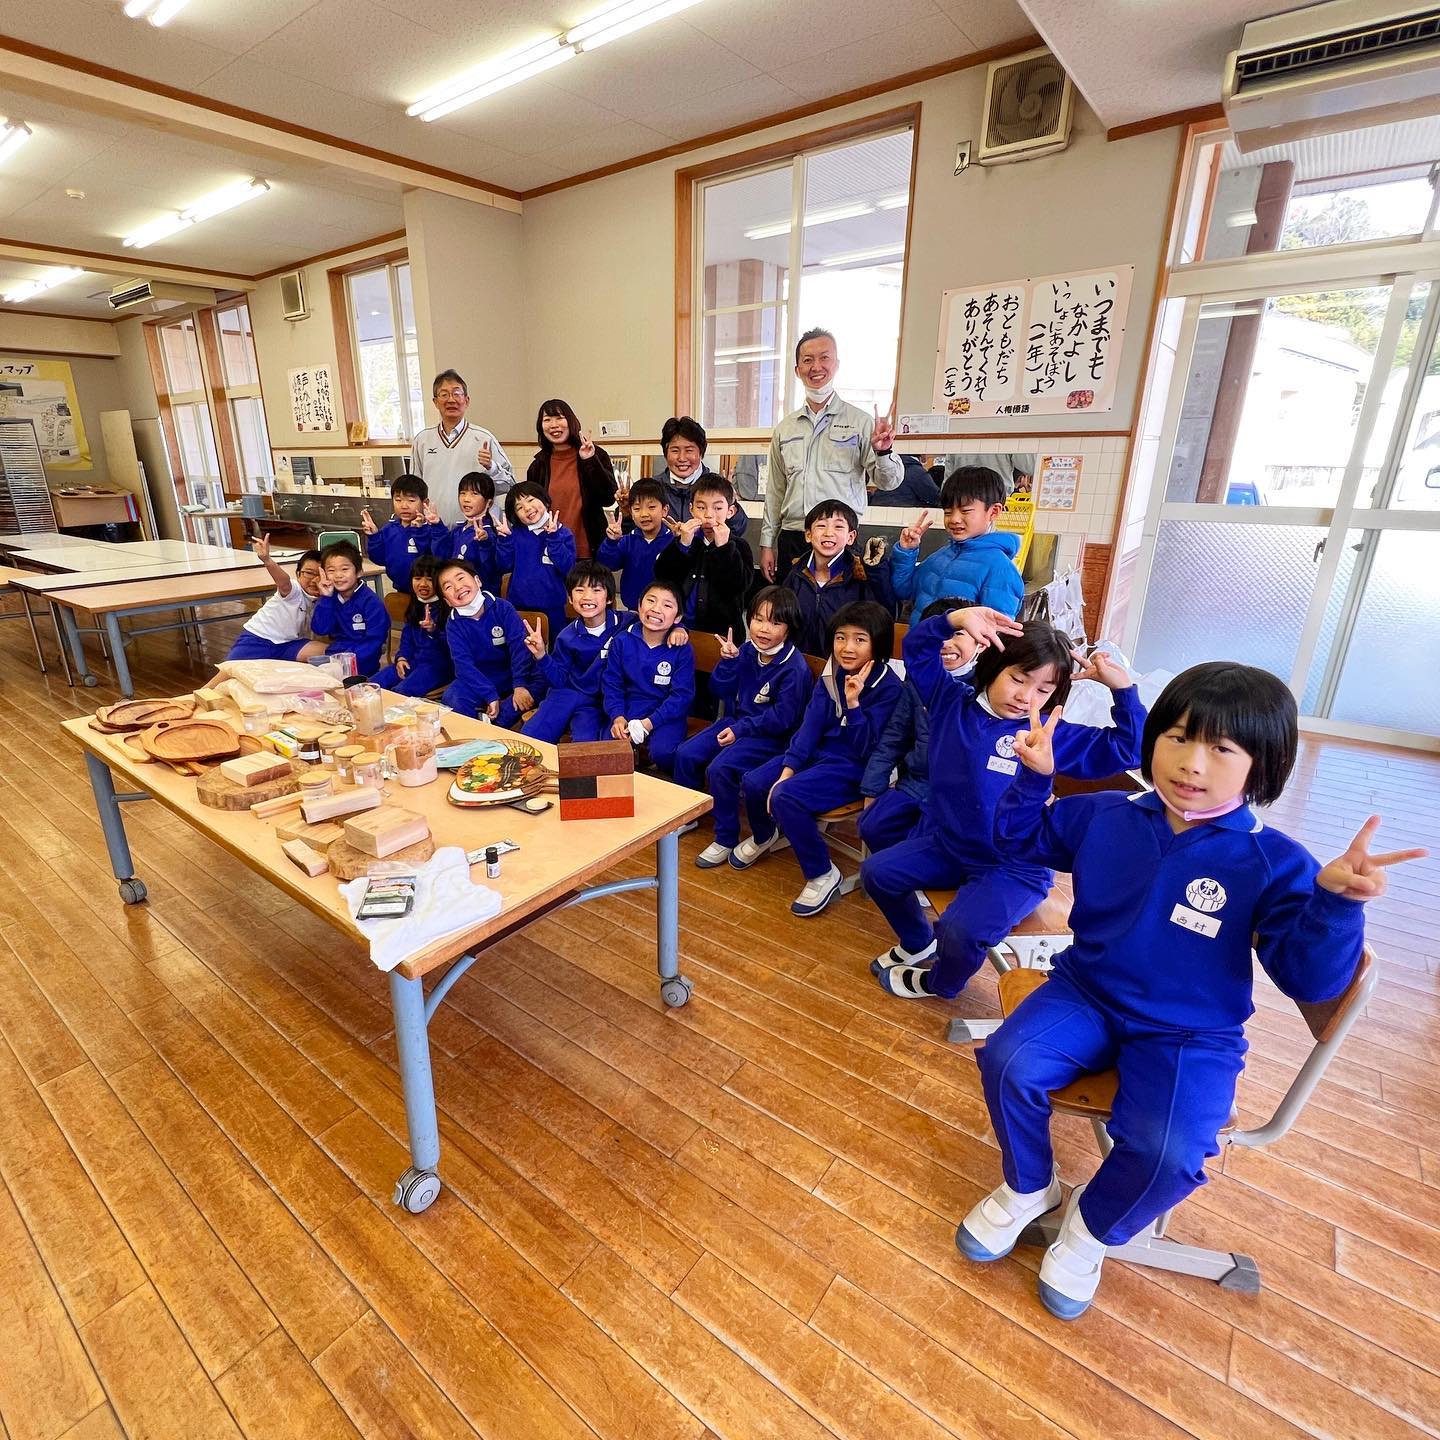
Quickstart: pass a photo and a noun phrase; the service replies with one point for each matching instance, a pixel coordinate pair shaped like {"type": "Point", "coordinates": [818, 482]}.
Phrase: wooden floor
{"type": "Point", "coordinates": [733, 1220]}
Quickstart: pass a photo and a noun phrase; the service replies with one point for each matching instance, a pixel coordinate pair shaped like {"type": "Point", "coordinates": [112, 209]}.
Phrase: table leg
{"type": "Point", "coordinates": [417, 1188]}
{"type": "Point", "coordinates": [118, 657]}
{"type": "Point", "coordinates": [77, 646]}
{"type": "Point", "coordinates": [675, 988]}
{"type": "Point", "coordinates": [34, 633]}
{"type": "Point", "coordinates": [60, 644]}
{"type": "Point", "coordinates": [107, 804]}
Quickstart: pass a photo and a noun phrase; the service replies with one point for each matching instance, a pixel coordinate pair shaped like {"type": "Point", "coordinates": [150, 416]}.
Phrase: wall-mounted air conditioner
{"type": "Point", "coordinates": [1338, 66]}
{"type": "Point", "coordinates": [154, 296]}
{"type": "Point", "coordinates": [1028, 101]}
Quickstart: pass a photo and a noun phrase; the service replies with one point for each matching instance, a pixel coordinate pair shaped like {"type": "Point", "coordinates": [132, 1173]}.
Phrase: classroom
{"type": "Point", "coordinates": [722, 719]}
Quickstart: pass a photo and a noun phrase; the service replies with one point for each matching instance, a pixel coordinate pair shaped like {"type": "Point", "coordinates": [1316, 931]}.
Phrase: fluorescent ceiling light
{"type": "Point", "coordinates": [226, 198]}
{"type": "Point", "coordinates": [621, 20]}
{"type": "Point", "coordinates": [1239, 219]}
{"type": "Point", "coordinates": [745, 350]}
{"type": "Point", "coordinates": [893, 202]}
{"type": "Point", "coordinates": [157, 12]}
{"type": "Point", "coordinates": [750, 357]}
{"type": "Point", "coordinates": [12, 137]}
{"type": "Point", "coordinates": [29, 289]}
{"type": "Point", "coordinates": [851, 257]}
{"type": "Point", "coordinates": [812, 217]}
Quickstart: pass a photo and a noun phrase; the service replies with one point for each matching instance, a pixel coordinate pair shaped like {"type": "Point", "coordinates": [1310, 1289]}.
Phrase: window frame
{"type": "Point", "coordinates": [689, 296]}
{"type": "Point", "coordinates": [347, 343]}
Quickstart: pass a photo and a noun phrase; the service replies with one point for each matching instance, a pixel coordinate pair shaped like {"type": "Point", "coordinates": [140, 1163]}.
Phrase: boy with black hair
{"type": "Point", "coordinates": [709, 564]}
{"type": "Point", "coordinates": [348, 613]}
{"type": "Point", "coordinates": [647, 684]}
{"type": "Point", "coordinates": [280, 628]}
{"type": "Point", "coordinates": [486, 636]}
{"type": "Point", "coordinates": [474, 538]}
{"type": "Point", "coordinates": [414, 529]}
{"type": "Point", "coordinates": [634, 552]}
{"type": "Point", "coordinates": [832, 575]}
{"type": "Point", "coordinates": [684, 442]}
{"type": "Point", "coordinates": [979, 560]}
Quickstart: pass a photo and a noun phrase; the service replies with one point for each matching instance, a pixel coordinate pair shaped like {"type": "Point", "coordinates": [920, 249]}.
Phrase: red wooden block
{"type": "Point", "coordinates": [614, 807]}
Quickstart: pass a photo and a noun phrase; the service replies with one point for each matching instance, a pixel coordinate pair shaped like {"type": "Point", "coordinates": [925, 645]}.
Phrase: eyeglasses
{"type": "Point", "coordinates": [450, 395]}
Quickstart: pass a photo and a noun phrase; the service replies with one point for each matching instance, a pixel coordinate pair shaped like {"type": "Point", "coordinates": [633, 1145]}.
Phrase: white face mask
{"type": "Point", "coordinates": [473, 608]}
{"type": "Point", "coordinates": [540, 524]}
{"type": "Point", "coordinates": [819, 397]}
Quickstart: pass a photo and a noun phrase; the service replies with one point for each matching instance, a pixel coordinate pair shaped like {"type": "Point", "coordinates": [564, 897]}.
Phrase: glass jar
{"type": "Point", "coordinates": [367, 706]}
{"type": "Point", "coordinates": [345, 758]}
{"type": "Point", "coordinates": [316, 784]}
{"type": "Point", "coordinates": [329, 743]}
{"type": "Point", "coordinates": [368, 769]}
{"type": "Point", "coordinates": [255, 718]}
{"type": "Point", "coordinates": [412, 752]}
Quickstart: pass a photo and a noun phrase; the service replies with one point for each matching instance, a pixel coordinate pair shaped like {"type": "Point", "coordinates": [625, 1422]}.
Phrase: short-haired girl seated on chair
{"type": "Point", "coordinates": [494, 673]}
{"type": "Point", "coordinates": [822, 767]}
{"type": "Point", "coordinates": [422, 663]}
{"type": "Point", "coordinates": [972, 739]}
{"type": "Point", "coordinates": [1172, 887]}
{"type": "Point", "coordinates": [537, 550]}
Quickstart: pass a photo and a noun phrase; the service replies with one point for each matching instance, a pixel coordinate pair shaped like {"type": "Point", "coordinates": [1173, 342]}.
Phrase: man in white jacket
{"type": "Point", "coordinates": [442, 455]}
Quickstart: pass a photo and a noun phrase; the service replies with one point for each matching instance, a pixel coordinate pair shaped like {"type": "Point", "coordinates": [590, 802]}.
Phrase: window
{"type": "Point", "coordinates": [386, 351]}
{"type": "Point", "coordinates": [194, 433]}
{"type": "Point", "coordinates": [240, 373]}
{"type": "Point", "coordinates": [816, 238]}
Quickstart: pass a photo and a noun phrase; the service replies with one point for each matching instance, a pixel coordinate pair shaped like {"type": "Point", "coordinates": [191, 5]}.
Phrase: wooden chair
{"type": "Point", "coordinates": [707, 657]}
{"type": "Point", "coordinates": [540, 618]}
{"type": "Point", "coordinates": [1092, 1097]}
{"type": "Point", "coordinates": [397, 602]}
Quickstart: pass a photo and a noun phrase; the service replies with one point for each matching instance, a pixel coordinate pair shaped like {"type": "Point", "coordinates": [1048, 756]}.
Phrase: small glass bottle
{"type": "Point", "coordinates": [255, 718]}
{"type": "Point", "coordinates": [368, 769]}
{"type": "Point", "coordinates": [316, 784]}
{"type": "Point", "coordinates": [345, 758]}
{"type": "Point", "coordinates": [330, 742]}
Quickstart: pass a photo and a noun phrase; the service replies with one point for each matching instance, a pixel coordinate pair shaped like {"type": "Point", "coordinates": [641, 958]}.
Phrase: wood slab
{"type": "Point", "coordinates": [348, 863]}
{"type": "Point", "coordinates": [221, 793]}
{"type": "Point", "coordinates": [189, 740]}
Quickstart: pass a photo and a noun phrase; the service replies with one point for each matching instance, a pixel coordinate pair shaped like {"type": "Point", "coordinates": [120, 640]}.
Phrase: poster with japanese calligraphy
{"type": "Point", "coordinates": [44, 391]}
{"type": "Point", "coordinates": [1043, 346]}
{"type": "Point", "coordinates": [312, 399]}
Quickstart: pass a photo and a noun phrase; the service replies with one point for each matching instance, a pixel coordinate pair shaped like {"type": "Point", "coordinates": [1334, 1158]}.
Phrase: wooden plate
{"type": "Point", "coordinates": [141, 714]}
{"type": "Point", "coordinates": [190, 740]}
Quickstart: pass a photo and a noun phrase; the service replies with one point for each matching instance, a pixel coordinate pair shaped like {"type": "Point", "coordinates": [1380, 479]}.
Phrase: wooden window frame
{"type": "Point", "coordinates": [337, 280]}
{"type": "Point", "coordinates": [687, 182]}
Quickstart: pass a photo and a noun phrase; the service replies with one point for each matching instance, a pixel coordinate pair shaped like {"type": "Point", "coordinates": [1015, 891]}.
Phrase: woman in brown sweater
{"type": "Point", "coordinates": [576, 474]}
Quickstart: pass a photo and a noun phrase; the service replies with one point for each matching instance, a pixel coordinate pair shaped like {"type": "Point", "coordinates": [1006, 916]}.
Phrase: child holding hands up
{"type": "Point", "coordinates": [414, 529]}
{"type": "Point", "coordinates": [648, 683]}
{"type": "Point", "coordinates": [422, 663]}
{"type": "Point", "coordinates": [1172, 888]}
{"type": "Point", "coordinates": [537, 550]}
{"type": "Point", "coordinates": [494, 673]}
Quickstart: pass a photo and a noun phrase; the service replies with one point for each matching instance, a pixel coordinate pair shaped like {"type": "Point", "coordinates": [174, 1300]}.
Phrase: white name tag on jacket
{"type": "Point", "coordinates": [842, 432]}
{"type": "Point", "coordinates": [1001, 764]}
{"type": "Point", "coordinates": [545, 558]}
{"type": "Point", "coordinates": [1189, 919]}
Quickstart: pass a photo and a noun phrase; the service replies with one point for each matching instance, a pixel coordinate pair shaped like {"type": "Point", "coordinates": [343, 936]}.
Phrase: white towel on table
{"type": "Point", "coordinates": [447, 902]}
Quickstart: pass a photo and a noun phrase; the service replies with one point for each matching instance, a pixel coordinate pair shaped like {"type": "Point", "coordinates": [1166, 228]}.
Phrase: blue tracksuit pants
{"type": "Point", "coordinates": [701, 763]}
{"type": "Point", "coordinates": [562, 709]}
{"type": "Point", "coordinates": [665, 740]}
{"type": "Point", "coordinates": [797, 803]}
{"type": "Point", "coordinates": [1176, 1091]}
{"type": "Point", "coordinates": [891, 819]}
{"type": "Point", "coordinates": [421, 680]}
{"type": "Point", "coordinates": [988, 904]}
{"type": "Point", "coordinates": [249, 646]}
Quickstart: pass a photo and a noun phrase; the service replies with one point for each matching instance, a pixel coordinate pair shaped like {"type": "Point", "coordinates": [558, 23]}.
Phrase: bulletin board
{"type": "Point", "coordinates": [43, 391]}
{"type": "Point", "coordinates": [1046, 346]}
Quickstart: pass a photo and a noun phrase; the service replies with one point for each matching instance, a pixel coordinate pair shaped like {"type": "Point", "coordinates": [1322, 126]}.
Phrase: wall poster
{"type": "Point", "coordinates": [312, 399]}
{"type": "Point", "coordinates": [44, 391]}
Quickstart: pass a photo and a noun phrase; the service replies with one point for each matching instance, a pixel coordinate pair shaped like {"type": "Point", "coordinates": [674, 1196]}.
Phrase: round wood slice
{"type": "Point", "coordinates": [218, 792]}
{"type": "Point", "coordinates": [348, 863]}
{"type": "Point", "coordinates": [190, 740]}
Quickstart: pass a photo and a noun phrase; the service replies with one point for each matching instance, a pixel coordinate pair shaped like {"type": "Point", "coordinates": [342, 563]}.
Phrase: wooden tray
{"type": "Point", "coordinates": [190, 740]}
{"type": "Point", "coordinates": [141, 714]}
{"type": "Point", "coordinates": [348, 863]}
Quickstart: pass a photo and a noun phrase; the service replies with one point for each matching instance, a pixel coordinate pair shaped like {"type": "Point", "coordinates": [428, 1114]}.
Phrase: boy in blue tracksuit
{"type": "Point", "coordinates": [349, 614]}
{"type": "Point", "coordinates": [1172, 889]}
{"type": "Point", "coordinates": [414, 530]}
{"type": "Point", "coordinates": [832, 575]}
{"type": "Point", "coordinates": [647, 683]}
{"type": "Point", "coordinates": [822, 766]}
{"type": "Point", "coordinates": [978, 561]}
{"type": "Point", "coordinates": [633, 552]}
{"type": "Point", "coordinates": [570, 673]}
{"type": "Point", "coordinates": [537, 550]}
{"type": "Point", "coordinates": [475, 538]}
{"type": "Point", "coordinates": [494, 674]}
{"type": "Point", "coordinates": [422, 661]}
{"type": "Point", "coordinates": [973, 720]}
{"type": "Point", "coordinates": [765, 684]}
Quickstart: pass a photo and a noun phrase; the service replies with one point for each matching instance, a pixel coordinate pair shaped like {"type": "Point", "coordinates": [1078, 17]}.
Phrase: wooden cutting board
{"type": "Point", "coordinates": [182, 740]}
{"type": "Point", "coordinates": [348, 863]}
{"type": "Point", "coordinates": [141, 714]}
{"type": "Point", "coordinates": [219, 793]}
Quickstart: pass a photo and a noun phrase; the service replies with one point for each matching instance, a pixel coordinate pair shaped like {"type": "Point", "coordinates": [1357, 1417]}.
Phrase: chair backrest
{"type": "Point", "coordinates": [1325, 1017]}
{"type": "Point", "coordinates": [816, 664]}
{"type": "Point", "coordinates": [707, 651]}
{"type": "Point", "coordinates": [901, 631]}
{"type": "Point", "coordinates": [397, 602]}
{"type": "Point", "coordinates": [1128, 782]}
{"type": "Point", "coordinates": [334, 537]}
{"type": "Point", "coordinates": [532, 617]}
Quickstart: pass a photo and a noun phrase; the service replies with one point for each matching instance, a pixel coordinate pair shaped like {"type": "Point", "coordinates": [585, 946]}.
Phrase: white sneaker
{"type": "Point", "coordinates": [749, 850]}
{"type": "Point", "coordinates": [817, 894]}
{"type": "Point", "coordinates": [712, 855]}
{"type": "Point", "coordinates": [899, 955]}
{"type": "Point", "coordinates": [990, 1230]}
{"type": "Point", "coordinates": [1070, 1271]}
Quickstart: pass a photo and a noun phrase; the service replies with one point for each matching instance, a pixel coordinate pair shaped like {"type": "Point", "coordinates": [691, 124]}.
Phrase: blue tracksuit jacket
{"type": "Point", "coordinates": [570, 678]}
{"type": "Point", "coordinates": [830, 730]}
{"type": "Point", "coordinates": [428, 654]}
{"type": "Point", "coordinates": [360, 623]}
{"type": "Point", "coordinates": [538, 562]}
{"type": "Point", "coordinates": [904, 742]}
{"type": "Point", "coordinates": [490, 658]}
{"type": "Point", "coordinates": [983, 567]}
{"type": "Point", "coordinates": [396, 547]}
{"type": "Point", "coordinates": [655, 683]}
{"type": "Point", "coordinates": [462, 543]}
{"type": "Point", "coordinates": [763, 701]}
{"type": "Point", "coordinates": [634, 557]}
{"type": "Point", "coordinates": [850, 580]}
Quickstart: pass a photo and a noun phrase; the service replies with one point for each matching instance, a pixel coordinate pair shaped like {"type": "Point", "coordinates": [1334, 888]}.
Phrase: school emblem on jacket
{"type": "Point", "coordinates": [497, 634]}
{"type": "Point", "coordinates": [662, 673]}
{"type": "Point", "coordinates": [1005, 746]}
{"type": "Point", "coordinates": [357, 622]}
{"type": "Point", "coordinates": [410, 548]}
{"type": "Point", "coordinates": [1205, 895]}
{"type": "Point", "coordinates": [762, 695]}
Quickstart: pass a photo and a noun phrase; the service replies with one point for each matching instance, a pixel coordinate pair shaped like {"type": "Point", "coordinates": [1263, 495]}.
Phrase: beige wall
{"type": "Point", "coordinates": [56, 336]}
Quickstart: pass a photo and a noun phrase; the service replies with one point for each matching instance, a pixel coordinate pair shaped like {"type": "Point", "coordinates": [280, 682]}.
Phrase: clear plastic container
{"type": "Point", "coordinates": [255, 718]}
{"type": "Point", "coordinates": [345, 758]}
{"type": "Point", "coordinates": [368, 769]}
{"type": "Point", "coordinates": [367, 706]}
{"type": "Point", "coordinates": [412, 752]}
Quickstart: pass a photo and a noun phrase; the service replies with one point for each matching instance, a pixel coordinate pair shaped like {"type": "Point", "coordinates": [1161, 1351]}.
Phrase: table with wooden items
{"type": "Point", "coordinates": [557, 864]}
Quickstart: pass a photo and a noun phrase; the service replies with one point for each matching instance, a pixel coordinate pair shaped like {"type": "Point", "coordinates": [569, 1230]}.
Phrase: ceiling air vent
{"type": "Point", "coordinates": [154, 296]}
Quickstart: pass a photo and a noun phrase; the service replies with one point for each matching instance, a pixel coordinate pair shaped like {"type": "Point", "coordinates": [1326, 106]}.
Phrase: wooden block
{"type": "Point", "coordinates": [348, 800]}
{"type": "Point", "coordinates": [255, 769]}
{"type": "Point", "coordinates": [613, 807]}
{"type": "Point", "coordinates": [611, 786]}
{"type": "Point", "coordinates": [269, 808]}
{"type": "Point", "coordinates": [312, 862]}
{"type": "Point", "coordinates": [384, 831]}
{"type": "Point", "coordinates": [321, 835]}
{"type": "Point", "coordinates": [597, 757]}
{"type": "Point", "coordinates": [579, 787]}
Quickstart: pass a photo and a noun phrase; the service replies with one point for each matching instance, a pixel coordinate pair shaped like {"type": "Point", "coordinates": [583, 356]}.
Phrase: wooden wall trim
{"type": "Point", "coordinates": [344, 348]}
{"type": "Point", "coordinates": [331, 254]}
{"type": "Point", "coordinates": [1198, 114]}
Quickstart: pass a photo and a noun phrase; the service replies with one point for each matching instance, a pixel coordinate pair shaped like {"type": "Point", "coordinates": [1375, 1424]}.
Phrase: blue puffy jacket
{"type": "Point", "coordinates": [983, 567]}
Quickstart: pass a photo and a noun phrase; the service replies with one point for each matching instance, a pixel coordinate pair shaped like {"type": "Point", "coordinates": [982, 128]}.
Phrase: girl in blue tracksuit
{"type": "Point", "coordinates": [414, 530]}
{"type": "Point", "coordinates": [570, 673]}
{"type": "Point", "coordinates": [765, 684]}
{"type": "Point", "coordinates": [972, 726]}
{"type": "Point", "coordinates": [475, 538]}
{"type": "Point", "coordinates": [422, 663]}
{"type": "Point", "coordinates": [825, 760]}
{"type": "Point", "coordinates": [647, 683]}
{"type": "Point", "coordinates": [1172, 889]}
{"type": "Point", "coordinates": [538, 551]}
{"type": "Point", "coordinates": [494, 674]}
{"type": "Point", "coordinates": [348, 613]}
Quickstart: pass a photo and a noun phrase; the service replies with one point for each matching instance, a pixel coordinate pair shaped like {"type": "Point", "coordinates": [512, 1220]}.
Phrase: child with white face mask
{"type": "Point", "coordinates": [537, 550]}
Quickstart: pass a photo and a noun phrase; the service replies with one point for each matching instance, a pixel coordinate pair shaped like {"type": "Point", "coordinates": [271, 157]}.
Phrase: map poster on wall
{"type": "Point", "coordinates": [1057, 482]}
{"type": "Point", "coordinates": [1032, 347]}
{"type": "Point", "coordinates": [312, 399]}
{"type": "Point", "coordinates": [44, 391]}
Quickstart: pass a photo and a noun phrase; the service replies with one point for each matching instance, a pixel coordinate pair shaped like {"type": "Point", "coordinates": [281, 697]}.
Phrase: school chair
{"type": "Point", "coordinates": [397, 602]}
{"type": "Point", "coordinates": [1091, 1097]}
{"type": "Point", "coordinates": [540, 618]}
{"type": "Point", "coordinates": [334, 537]}
{"type": "Point", "coordinates": [707, 657]}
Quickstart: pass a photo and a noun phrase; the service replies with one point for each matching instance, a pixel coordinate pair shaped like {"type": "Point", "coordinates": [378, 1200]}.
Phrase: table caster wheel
{"type": "Point", "coordinates": [416, 1190]}
{"type": "Point", "coordinates": [676, 992]}
{"type": "Point", "coordinates": [90, 681]}
{"type": "Point", "coordinates": [132, 891]}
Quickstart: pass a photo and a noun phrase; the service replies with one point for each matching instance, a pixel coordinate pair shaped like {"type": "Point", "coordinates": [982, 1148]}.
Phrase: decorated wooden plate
{"type": "Point", "coordinates": [504, 772]}
{"type": "Point", "coordinates": [141, 714]}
